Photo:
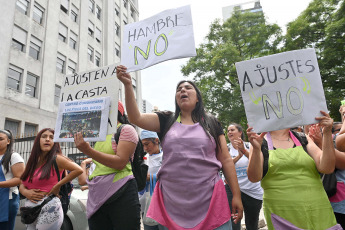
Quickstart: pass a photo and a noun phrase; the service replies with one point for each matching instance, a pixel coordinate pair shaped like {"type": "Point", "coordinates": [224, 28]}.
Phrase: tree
{"type": "Point", "coordinates": [322, 26]}
{"type": "Point", "coordinates": [243, 36]}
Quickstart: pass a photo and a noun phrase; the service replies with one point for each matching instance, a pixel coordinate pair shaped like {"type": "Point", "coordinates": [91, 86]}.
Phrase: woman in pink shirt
{"type": "Point", "coordinates": [39, 180]}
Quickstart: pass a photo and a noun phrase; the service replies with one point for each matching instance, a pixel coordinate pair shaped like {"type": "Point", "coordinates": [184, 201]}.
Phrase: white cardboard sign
{"type": "Point", "coordinates": [101, 82]}
{"type": "Point", "coordinates": [164, 36]}
{"type": "Point", "coordinates": [281, 90]}
{"type": "Point", "coordinates": [89, 116]}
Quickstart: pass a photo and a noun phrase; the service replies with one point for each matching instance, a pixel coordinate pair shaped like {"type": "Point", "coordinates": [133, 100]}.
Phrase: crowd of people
{"type": "Point", "coordinates": [196, 180]}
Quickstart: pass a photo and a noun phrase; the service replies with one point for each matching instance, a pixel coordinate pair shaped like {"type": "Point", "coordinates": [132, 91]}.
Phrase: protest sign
{"type": "Point", "coordinates": [101, 82]}
{"type": "Point", "coordinates": [164, 36]}
{"type": "Point", "coordinates": [282, 90]}
{"type": "Point", "coordinates": [89, 116]}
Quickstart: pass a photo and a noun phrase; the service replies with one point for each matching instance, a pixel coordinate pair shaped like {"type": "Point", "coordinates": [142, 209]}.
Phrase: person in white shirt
{"type": "Point", "coordinates": [251, 193]}
{"type": "Point", "coordinates": [152, 147]}
{"type": "Point", "coordinates": [12, 167]}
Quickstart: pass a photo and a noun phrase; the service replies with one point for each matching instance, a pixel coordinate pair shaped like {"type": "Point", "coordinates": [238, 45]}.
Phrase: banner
{"type": "Point", "coordinates": [90, 117]}
{"type": "Point", "coordinates": [282, 90]}
{"type": "Point", "coordinates": [101, 82]}
{"type": "Point", "coordinates": [164, 36]}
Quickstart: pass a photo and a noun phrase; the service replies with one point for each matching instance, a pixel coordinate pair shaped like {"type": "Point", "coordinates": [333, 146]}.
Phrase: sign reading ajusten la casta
{"type": "Point", "coordinates": [164, 36]}
{"type": "Point", "coordinates": [97, 83]}
{"type": "Point", "coordinates": [282, 90]}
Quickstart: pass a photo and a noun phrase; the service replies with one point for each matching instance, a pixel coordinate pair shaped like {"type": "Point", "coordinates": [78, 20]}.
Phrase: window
{"type": "Point", "coordinates": [72, 66]}
{"type": "Point", "coordinates": [14, 77]}
{"type": "Point", "coordinates": [91, 28]}
{"type": "Point", "coordinates": [30, 130]}
{"type": "Point", "coordinates": [117, 29]}
{"type": "Point", "coordinates": [125, 3]}
{"type": "Point", "coordinates": [22, 6]}
{"type": "Point", "coordinates": [62, 32]}
{"type": "Point", "coordinates": [35, 48]}
{"type": "Point", "coordinates": [98, 35]}
{"type": "Point", "coordinates": [19, 38]}
{"type": "Point", "coordinates": [132, 13]}
{"type": "Point", "coordinates": [57, 94]}
{"type": "Point", "coordinates": [60, 63]}
{"type": "Point", "coordinates": [91, 6]}
{"type": "Point", "coordinates": [117, 50]}
{"type": "Point", "coordinates": [38, 12]}
{"type": "Point", "coordinates": [13, 126]}
{"type": "Point", "coordinates": [98, 12]}
{"type": "Point", "coordinates": [64, 6]}
{"type": "Point", "coordinates": [98, 59]}
{"type": "Point", "coordinates": [31, 85]}
{"type": "Point", "coordinates": [125, 19]}
{"type": "Point", "coordinates": [117, 10]}
{"type": "Point", "coordinates": [73, 40]}
{"type": "Point", "coordinates": [74, 13]}
{"type": "Point", "coordinates": [90, 53]}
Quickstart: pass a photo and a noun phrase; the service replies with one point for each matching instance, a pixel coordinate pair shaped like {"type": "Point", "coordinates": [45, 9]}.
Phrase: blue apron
{"type": "Point", "coordinates": [4, 198]}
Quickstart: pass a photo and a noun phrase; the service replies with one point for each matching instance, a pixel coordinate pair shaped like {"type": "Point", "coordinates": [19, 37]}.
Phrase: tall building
{"type": "Point", "coordinates": [147, 107]}
{"type": "Point", "coordinates": [250, 6]}
{"type": "Point", "coordinates": [43, 40]}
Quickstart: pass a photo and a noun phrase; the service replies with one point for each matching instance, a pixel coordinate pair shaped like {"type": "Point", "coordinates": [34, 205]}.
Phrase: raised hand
{"type": "Point", "coordinates": [254, 138]}
{"type": "Point", "coordinates": [122, 75]}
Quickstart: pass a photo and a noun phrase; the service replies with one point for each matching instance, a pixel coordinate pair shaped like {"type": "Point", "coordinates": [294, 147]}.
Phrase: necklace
{"type": "Point", "coordinates": [281, 140]}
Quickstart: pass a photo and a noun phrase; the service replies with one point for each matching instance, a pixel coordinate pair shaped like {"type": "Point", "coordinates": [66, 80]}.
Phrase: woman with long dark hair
{"type": "Point", "coordinates": [113, 201]}
{"type": "Point", "coordinates": [39, 179]}
{"type": "Point", "coordinates": [189, 193]}
{"type": "Point", "coordinates": [251, 193]}
{"type": "Point", "coordinates": [12, 167]}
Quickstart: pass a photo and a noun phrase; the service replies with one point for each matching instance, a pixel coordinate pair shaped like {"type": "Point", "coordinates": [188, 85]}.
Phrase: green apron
{"type": "Point", "coordinates": [293, 190]}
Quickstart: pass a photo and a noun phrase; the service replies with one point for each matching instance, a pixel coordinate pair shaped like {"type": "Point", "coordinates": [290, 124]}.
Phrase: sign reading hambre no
{"type": "Point", "coordinates": [164, 36]}
{"type": "Point", "coordinates": [282, 90]}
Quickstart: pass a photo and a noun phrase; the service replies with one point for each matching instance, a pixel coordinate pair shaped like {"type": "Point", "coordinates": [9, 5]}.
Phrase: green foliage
{"type": "Point", "coordinates": [244, 36]}
{"type": "Point", "coordinates": [322, 26]}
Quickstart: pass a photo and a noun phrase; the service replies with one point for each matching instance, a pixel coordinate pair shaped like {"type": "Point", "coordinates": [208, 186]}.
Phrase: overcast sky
{"type": "Point", "coordinates": [159, 81]}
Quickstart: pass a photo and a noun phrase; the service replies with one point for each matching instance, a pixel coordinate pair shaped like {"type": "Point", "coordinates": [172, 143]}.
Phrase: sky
{"type": "Point", "coordinates": [159, 81]}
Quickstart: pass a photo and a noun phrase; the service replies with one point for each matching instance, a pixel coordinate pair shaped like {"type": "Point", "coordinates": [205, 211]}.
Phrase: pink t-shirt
{"type": "Point", "coordinates": [44, 185]}
{"type": "Point", "coordinates": [128, 133]}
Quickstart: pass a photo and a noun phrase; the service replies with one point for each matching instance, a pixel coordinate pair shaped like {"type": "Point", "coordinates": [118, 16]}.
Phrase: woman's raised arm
{"type": "Point", "coordinates": [148, 121]}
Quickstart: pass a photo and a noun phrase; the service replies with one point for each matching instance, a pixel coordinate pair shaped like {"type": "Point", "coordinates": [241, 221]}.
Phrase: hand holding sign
{"type": "Point", "coordinates": [123, 76]}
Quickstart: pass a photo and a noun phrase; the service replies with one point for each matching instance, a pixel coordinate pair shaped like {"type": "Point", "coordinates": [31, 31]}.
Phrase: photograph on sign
{"type": "Point", "coordinates": [89, 116]}
{"type": "Point", "coordinates": [281, 90]}
{"type": "Point", "coordinates": [164, 36]}
{"type": "Point", "coordinates": [96, 83]}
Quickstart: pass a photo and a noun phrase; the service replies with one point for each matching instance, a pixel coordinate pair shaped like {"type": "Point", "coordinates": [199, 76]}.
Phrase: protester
{"type": "Point", "coordinates": [88, 166]}
{"type": "Point", "coordinates": [39, 180]}
{"type": "Point", "coordinates": [251, 193]}
{"type": "Point", "coordinates": [113, 194]}
{"type": "Point", "coordinates": [12, 167]}
{"type": "Point", "coordinates": [151, 146]}
{"type": "Point", "coordinates": [294, 197]}
{"type": "Point", "coordinates": [340, 139]}
{"type": "Point", "coordinates": [189, 193]}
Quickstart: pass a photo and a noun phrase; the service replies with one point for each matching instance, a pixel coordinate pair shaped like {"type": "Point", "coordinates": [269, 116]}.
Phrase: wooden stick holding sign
{"type": "Point", "coordinates": [282, 90]}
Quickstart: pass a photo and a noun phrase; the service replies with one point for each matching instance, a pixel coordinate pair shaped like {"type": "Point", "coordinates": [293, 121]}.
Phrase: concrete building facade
{"type": "Point", "coordinates": [251, 6]}
{"type": "Point", "coordinates": [43, 40]}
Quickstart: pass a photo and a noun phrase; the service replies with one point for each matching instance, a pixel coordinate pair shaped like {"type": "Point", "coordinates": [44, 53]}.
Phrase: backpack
{"type": "Point", "coordinates": [139, 169]}
{"type": "Point", "coordinates": [65, 189]}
